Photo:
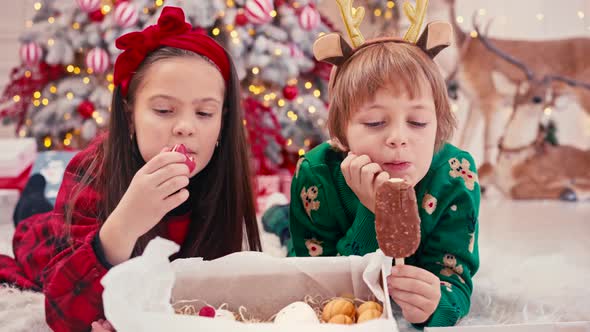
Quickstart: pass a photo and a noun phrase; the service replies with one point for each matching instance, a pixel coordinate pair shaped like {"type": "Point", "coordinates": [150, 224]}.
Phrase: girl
{"type": "Point", "coordinates": [173, 86]}
{"type": "Point", "coordinates": [390, 118]}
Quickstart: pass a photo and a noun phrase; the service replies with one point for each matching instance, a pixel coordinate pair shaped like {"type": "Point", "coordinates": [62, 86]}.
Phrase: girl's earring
{"type": "Point", "coordinates": [217, 144]}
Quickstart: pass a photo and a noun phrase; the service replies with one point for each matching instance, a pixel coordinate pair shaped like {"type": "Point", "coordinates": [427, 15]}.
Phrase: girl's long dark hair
{"type": "Point", "coordinates": [223, 217]}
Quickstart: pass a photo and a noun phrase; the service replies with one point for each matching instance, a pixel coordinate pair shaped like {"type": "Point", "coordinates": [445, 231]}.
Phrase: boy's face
{"type": "Point", "coordinates": [396, 132]}
{"type": "Point", "coordinates": [179, 101]}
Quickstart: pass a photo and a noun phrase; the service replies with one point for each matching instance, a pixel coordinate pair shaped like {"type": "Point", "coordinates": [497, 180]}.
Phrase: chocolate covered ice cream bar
{"type": "Point", "coordinates": [397, 222]}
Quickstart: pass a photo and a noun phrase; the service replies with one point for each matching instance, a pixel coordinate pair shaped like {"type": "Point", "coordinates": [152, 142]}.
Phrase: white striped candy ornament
{"type": "Point", "coordinates": [258, 11]}
{"type": "Point", "coordinates": [97, 60]}
{"type": "Point", "coordinates": [126, 14]}
{"type": "Point", "coordinates": [30, 53]}
{"type": "Point", "coordinates": [309, 18]}
{"type": "Point", "coordinates": [88, 6]}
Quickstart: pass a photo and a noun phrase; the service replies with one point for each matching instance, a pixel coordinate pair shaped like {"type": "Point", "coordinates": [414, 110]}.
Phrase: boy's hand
{"type": "Point", "coordinates": [363, 176]}
{"type": "Point", "coordinates": [415, 290]}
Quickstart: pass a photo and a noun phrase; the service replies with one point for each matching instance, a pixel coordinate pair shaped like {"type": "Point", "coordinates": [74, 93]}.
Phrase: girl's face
{"type": "Point", "coordinates": [396, 132]}
{"type": "Point", "coordinates": [179, 101]}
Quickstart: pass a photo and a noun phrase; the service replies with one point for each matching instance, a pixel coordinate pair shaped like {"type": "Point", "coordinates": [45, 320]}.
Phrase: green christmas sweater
{"type": "Point", "coordinates": [327, 219]}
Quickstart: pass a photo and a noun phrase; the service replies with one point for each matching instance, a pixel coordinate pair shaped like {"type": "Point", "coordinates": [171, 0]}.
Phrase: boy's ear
{"type": "Point", "coordinates": [435, 38]}
{"type": "Point", "coordinates": [331, 48]}
{"type": "Point", "coordinates": [336, 144]}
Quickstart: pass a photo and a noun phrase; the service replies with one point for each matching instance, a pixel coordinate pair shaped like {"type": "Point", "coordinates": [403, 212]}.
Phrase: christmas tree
{"type": "Point", "coordinates": [61, 92]}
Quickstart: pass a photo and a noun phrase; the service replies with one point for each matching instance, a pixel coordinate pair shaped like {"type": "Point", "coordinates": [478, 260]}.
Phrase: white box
{"type": "Point", "coordinates": [547, 327]}
{"type": "Point", "coordinates": [8, 200]}
{"type": "Point", "coordinates": [16, 155]}
{"type": "Point", "coordinates": [138, 292]}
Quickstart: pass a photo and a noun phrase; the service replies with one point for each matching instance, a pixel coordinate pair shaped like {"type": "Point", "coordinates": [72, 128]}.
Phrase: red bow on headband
{"type": "Point", "coordinates": [172, 30]}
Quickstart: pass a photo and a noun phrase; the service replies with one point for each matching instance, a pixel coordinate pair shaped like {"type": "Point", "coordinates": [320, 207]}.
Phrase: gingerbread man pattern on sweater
{"type": "Point", "coordinates": [462, 170]}
{"type": "Point", "coordinates": [308, 198]}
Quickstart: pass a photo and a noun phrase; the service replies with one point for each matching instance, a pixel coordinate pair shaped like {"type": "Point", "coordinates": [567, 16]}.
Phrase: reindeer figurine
{"type": "Point", "coordinates": [536, 170]}
{"type": "Point", "coordinates": [553, 66]}
{"type": "Point", "coordinates": [539, 170]}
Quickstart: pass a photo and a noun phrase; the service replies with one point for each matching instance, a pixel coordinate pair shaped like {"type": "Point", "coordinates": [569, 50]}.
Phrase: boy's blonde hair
{"type": "Point", "coordinates": [392, 65]}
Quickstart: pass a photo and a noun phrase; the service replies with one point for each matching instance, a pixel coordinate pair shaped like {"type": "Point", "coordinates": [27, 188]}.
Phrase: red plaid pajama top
{"type": "Point", "coordinates": [68, 276]}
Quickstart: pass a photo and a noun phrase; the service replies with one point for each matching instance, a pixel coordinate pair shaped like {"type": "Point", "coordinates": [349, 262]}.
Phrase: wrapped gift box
{"type": "Point", "coordinates": [8, 200]}
{"type": "Point", "coordinates": [286, 177]}
{"type": "Point", "coordinates": [262, 284]}
{"type": "Point", "coordinates": [16, 160]}
{"type": "Point", "coordinates": [266, 185]}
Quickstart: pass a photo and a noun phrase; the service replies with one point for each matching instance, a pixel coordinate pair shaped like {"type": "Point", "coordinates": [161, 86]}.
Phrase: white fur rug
{"type": "Point", "coordinates": [535, 268]}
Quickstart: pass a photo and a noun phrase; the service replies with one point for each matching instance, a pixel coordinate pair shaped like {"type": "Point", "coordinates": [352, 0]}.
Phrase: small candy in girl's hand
{"type": "Point", "coordinates": [179, 148]}
{"type": "Point", "coordinates": [189, 159]}
{"type": "Point", "coordinates": [207, 311]}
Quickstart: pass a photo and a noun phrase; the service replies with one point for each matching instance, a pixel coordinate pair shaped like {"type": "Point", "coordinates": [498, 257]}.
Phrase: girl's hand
{"type": "Point", "coordinates": [415, 290]}
{"type": "Point", "coordinates": [102, 326]}
{"type": "Point", "coordinates": [363, 176]}
{"type": "Point", "coordinates": [157, 188]}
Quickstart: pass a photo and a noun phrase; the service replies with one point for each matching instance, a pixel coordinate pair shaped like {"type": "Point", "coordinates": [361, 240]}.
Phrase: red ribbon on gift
{"type": "Point", "coordinates": [17, 182]}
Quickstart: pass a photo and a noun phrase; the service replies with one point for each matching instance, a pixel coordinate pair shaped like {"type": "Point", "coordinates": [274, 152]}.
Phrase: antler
{"type": "Point", "coordinates": [352, 18]}
{"type": "Point", "coordinates": [529, 73]}
{"type": "Point", "coordinates": [569, 81]}
{"type": "Point", "coordinates": [416, 16]}
{"type": "Point", "coordinates": [462, 52]}
{"type": "Point", "coordinates": [491, 47]}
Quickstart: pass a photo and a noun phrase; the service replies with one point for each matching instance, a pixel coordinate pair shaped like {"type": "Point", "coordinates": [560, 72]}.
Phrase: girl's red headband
{"type": "Point", "coordinates": [172, 30]}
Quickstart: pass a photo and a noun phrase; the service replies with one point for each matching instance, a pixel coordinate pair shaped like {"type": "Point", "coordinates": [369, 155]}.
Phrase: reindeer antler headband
{"type": "Point", "coordinates": [332, 47]}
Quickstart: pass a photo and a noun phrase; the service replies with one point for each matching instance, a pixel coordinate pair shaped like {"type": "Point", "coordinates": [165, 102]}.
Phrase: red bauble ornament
{"type": "Point", "coordinates": [290, 92]}
{"type": "Point", "coordinates": [241, 19]}
{"type": "Point", "coordinates": [96, 16]}
{"type": "Point", "coordinates": [85, 109]}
